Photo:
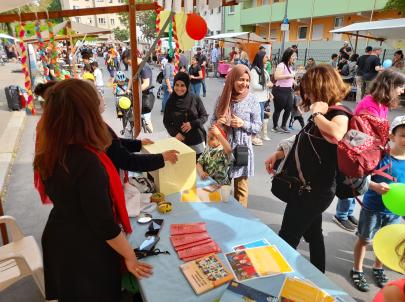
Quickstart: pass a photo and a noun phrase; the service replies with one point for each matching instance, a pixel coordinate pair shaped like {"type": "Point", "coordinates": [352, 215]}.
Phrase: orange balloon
{"type": "Point", "coordinates": [196, 26]}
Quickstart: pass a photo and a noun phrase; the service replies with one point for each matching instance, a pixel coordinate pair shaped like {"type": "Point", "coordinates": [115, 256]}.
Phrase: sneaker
{"type": "Point", "coordinates": [291, 127]}
{"type": "Point", "coordinates": [257, 141]}
{"type": "Point", "coordinates": [359, 281]}
{"type": "Point", "coordinates": [266, 138]}
{"type": "Point", "coordinates": [344, 224]}
{"type": "Point", "coordinates": [204, 95]}
{"type": "Point", "coordinates": [275, 129]}
{"type": "Point", "coordinates": [353, 220]}
{"type": "Point", "coordinates": [285, 129]}
{"type": "Point", "coordinates": [379, 277]}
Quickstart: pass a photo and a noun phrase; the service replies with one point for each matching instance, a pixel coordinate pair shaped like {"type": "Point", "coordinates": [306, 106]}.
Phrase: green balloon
{"type": "Point", "coordinates": [394, 199]}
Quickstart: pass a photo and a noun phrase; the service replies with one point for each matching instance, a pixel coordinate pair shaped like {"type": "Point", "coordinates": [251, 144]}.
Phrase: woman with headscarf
{"type": "Point", "coordinates": [238, 112]}
{"type": "Point", "coordinates": [185, 115]}
{"type": "Point", "coordinates": [259, 86]}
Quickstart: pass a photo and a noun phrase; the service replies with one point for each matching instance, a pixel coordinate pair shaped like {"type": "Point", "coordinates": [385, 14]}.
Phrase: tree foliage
{"type": "Point", "coordinates": [121, 34]}
{"type": "Point", "coordinates": [398, 5]}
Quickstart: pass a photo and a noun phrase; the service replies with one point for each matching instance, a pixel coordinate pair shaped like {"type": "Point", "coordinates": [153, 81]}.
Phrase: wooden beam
{"type": "Point", "coordinates": [3, 228]}
{"type": "Point", "coordinates": [85, 12]}
{"type": "Point", "coordinates": [136, 91]}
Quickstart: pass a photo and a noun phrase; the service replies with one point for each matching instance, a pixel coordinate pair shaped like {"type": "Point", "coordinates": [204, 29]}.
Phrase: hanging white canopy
{"type": "Point", "coordinates": [12, 4]}
{"type": "Point", "coordinates": [4, 36]}
{"type": "Point", "coordinates": [380, 30]}
{"type": "Point", "coordinates": [241, 37]}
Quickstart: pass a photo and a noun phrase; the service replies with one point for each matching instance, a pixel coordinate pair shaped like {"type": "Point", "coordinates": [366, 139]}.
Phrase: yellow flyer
{"type": "Point", "coordinates": [200, 195]}
{"type": "Point", "coordinates": [299, 290]}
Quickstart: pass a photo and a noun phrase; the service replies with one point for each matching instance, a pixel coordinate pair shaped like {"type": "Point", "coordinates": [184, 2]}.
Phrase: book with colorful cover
{"type": "Point", "coordinates": [297, 290]}
{"type": "Point", "coordinates": [257, 262]}
{"type": "Point", "coordinates": [252, 244]}
{"type": "Point", "coordinates": [238, 292]}
{"type": "Point", "coordinates": [188, 228]}
{"type": "Point", "coordinates": [206, 273]}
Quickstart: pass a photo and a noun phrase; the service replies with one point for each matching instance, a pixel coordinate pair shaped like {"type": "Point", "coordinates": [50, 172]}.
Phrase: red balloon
{"type": "Point", "coordinates": [196, 27]}
{"type": "Point", "coordinates": [379, 297]}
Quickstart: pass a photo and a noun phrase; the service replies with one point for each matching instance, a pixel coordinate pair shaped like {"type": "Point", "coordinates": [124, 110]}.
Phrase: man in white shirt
{"type": "Point", "coordinates": [215, 55]}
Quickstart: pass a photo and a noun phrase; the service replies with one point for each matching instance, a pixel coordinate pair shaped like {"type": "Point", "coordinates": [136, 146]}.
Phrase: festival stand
{"type": "Point", "coordinates": [132, 7]}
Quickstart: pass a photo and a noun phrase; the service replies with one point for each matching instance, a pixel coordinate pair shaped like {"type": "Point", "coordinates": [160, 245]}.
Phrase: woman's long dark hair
{"type": "Point", "coordinates": [286, 57]}
{"type": "Point", "coordinates": [258, 65]}
{"type": "Point", "coordinates": [383, 87]}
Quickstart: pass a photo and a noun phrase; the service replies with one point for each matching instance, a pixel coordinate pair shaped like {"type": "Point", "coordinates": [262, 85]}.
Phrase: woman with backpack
{"type": "Point", "coordinates": [307, 181]}
{"type": "Point", "coordinates": [384, 94]}
{"type": "Point", "coordinates": [185, 115]}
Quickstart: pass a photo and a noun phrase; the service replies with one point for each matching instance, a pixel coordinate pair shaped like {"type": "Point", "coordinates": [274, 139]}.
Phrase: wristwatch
{"type": "Point", "coordinates": [315, 114]}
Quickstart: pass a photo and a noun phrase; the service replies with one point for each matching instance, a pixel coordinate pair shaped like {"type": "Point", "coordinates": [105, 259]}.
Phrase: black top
{"type": "Point", "coordinates": [194, 71]}
{"type": "Point", "coordinates": [79, 265]}
{"type": "Point", "coordinates": [121, 154]}
{"type": "Point", "coordinates": [146, 73]}
{"type": "Point", "coordinates": [369, 68]}
{"type": "Point", "coordinates": [360, 64]}
{"type": "Point", "coordinates": [320, 172]}
{"type": "Point", "coordinates": [189, 109]}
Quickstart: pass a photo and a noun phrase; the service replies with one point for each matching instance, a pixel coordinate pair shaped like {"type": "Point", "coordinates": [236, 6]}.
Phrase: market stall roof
{"type": "Point", "coordinates": [9, 5]}
{"type": "Point", "coordinates": [240, 36]}
{"type": "Point", "coordinates": [4, 36]}
{"type": "Point", "coordinates": [382, 30]}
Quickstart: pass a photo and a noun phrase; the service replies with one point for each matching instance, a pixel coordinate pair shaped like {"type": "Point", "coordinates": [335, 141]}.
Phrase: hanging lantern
{"type": "Point", "coordinates": [196, 27]}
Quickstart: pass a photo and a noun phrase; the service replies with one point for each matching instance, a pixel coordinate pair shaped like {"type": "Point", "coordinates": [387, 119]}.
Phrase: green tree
{"type": "Point", "coordinates": [55, 5]}
{"type": "Point", "coordinates": [121, 34]}
{"type": "Point", "coordinates": [398, 5]}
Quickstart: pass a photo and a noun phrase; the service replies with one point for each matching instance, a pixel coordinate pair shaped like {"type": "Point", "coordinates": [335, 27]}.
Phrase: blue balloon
{"type": "Point", "coordinates": [387, 63]}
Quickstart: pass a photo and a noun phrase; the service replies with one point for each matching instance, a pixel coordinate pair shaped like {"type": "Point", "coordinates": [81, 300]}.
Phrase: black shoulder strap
{"type": "Point", "coordinates": [340, 108]}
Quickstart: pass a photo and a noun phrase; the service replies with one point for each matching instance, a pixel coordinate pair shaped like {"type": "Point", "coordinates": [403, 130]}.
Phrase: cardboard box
{"type": "Point", "coordinates": [173, 178]}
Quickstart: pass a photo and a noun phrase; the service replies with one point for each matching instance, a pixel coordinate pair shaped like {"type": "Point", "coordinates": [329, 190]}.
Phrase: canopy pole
{"type": "Point", "coordinates": [355, 44]}
{"type": "Point", "coordinates": [134, 68]}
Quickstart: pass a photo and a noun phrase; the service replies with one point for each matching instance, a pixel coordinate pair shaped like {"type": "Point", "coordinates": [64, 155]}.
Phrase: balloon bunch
{"type": "Point", "coordinates": [159, 42]}
{"type": "Point", "coordinates": [196, 27]}
{"type": "Point", "coordinates": [42, 49]}
{"type": "Point", "coordinates": [24, 61]}
{"type": "Point", "coordinates": [176, 50]}
{"type": "Point", "coordinates": [52, 43]}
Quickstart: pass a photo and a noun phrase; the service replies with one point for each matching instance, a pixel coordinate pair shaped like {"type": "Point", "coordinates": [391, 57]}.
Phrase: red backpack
{"type": "Point", "coordinates": [364, 144]}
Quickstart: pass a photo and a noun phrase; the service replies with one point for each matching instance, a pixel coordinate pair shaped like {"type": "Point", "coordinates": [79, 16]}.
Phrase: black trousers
{"type": "Point", "coordinates": [283, 100]}
{"type": "Point", "coordinates": [304, 219]}
{"type": "Point", "coordinates": [295, 118]}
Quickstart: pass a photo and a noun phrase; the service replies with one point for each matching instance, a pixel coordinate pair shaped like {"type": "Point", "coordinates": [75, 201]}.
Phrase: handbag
{"type": "Point", "coordinates": [241, 155]}
{"type": "Point", "coordinates": [288, 188]}
{"type": "Point", "coordinates": [148, 100]}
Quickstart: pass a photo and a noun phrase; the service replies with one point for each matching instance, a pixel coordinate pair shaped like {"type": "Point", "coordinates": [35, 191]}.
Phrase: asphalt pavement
{"type": "Point", "coordinates": [22, 201]}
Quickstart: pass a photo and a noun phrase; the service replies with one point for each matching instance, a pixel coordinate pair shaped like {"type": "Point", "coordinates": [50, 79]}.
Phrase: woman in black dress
{"type": "Point", "coordinates": [185, 115]}
{"type": "Point", "coordinates": [83, 245]}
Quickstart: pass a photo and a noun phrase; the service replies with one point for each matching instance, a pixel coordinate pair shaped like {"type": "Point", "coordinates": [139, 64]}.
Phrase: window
{"type": "Point", "coordinates": [100, 0]}
{"type": "Point", "coordinates": [218, 10]}
{"type": "Point", "coordinates": [302, 32]}
{"type": "Point", "coordinates": [75, 7]}
{"type": "Point", "coordinates": [230, 31]}
{"type": "Point", "coordinates": [101, 20]}
{"type": "Point", "coordinates": [120, 1]}
{"type": "Point", "coordinates": [90, 21]}
{"type": "Point", "coordinates": [218, 32]}
{"type": "Point", "coordinates": [317, 32]}
{"type": "Point", "coordinates": [77, 19]}
{"type": "Point", "coordinates": [231, 10]}
{"type": "Point", "coordinates": [110, 1]}
{"type": "Point", "coordinates": [211, 11]}
{"type": "Point", "coordinates": [112, 21]}
{"type": "Point", "coordinates": [273, 34]}
{"type": "Point", "coordinates": [338, 22]}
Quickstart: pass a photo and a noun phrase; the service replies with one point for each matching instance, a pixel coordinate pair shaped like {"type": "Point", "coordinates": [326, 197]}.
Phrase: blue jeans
{"type": "Point", "coordinates": [345, 208]}
{"type": "Point", "coordinates": [370, 222]}
{"type": "Point", "coordinates": [262, 110]}
{"type": "Point", "coordinates": [203, 86]}
{"type": "Point", "coordinates": [166, 95]}
{"type": "Point", "coordinates": [196, 88]}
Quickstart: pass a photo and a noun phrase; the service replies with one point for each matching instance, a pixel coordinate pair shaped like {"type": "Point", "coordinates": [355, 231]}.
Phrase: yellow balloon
{"type": "Point", "coordinates": [124, 103]}
{"type": "Point", "coordinates": [385, 244]}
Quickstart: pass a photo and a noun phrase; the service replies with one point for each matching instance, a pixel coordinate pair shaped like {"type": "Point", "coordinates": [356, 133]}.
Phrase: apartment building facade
{"type": "Point", "coordinates": [264, 17]}
{"type": "Point", "coordinates": [108, 21]}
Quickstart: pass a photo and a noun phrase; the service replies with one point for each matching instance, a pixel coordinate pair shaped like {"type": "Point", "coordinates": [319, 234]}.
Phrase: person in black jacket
{"type": "Point", "coordinates": [185, 115]}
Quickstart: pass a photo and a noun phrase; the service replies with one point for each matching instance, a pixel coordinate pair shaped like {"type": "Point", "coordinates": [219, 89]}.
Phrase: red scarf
{"type": "Point", "coordinates": [116, 191]}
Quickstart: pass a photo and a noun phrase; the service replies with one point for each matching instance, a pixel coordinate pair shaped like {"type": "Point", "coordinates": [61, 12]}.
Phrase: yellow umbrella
{"type": "Point", "coordinates": [185, 42]}
{"type": "Point", "coordinates": [385, 245]}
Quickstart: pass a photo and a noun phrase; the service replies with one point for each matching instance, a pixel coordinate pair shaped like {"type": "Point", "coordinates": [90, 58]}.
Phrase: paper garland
{"type": "Point", "coordinates": [54, 55]}
{"type": "Point", "coordinates": [176, 51]}
{"type": "Point", "coordinates": [24, 61]}
{"type": "Point", "coordinates": [41, 50]}
{"type": "Point", "coordinates": [159, 42]}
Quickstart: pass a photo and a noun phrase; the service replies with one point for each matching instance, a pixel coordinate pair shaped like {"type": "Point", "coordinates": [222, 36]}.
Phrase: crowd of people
{"type": "Point", "coordinates": [78, 157]}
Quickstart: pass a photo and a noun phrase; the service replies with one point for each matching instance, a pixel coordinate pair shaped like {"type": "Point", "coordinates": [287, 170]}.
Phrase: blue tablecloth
{"type": "Point", "coordinates": [229, 224]}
